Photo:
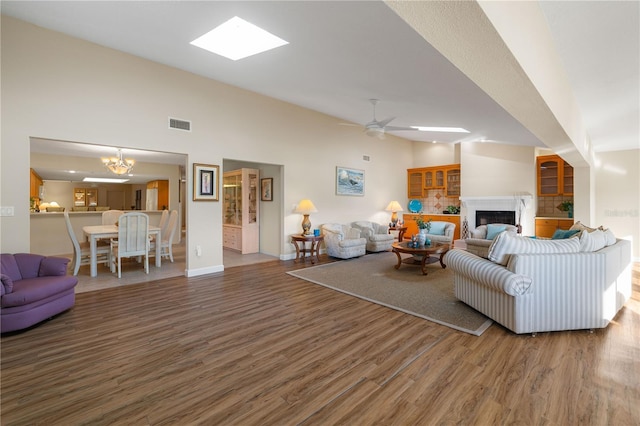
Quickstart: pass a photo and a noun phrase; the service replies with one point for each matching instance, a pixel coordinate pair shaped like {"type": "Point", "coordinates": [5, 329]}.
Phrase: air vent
{"type": "Point", "coordinates": [178, 124]}
{"type": "Point", "coordinates": [366, 158]}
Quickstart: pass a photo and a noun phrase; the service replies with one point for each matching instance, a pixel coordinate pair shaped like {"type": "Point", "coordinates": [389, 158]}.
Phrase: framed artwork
{"type": "Point", "coordinates": [266, 189]}
{"type": "Point", "coordinates": [349, 181]}
{"type": "Point", "coordinates": [206, 180]}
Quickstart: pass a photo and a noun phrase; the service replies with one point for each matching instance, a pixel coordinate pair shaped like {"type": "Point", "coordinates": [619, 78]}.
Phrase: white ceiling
{"type": "Point", "coordinates": [343, 53]}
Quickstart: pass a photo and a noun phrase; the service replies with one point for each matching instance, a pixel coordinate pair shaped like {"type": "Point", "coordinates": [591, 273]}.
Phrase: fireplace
{"type": "Point", "coordinates": [494, 205]}
{"type": "Point", "coordinates": [484, 217]}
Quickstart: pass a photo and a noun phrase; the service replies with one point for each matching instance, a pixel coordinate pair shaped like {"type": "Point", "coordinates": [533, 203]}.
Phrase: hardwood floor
{"type": "Point", "coordinates": [254, 345]}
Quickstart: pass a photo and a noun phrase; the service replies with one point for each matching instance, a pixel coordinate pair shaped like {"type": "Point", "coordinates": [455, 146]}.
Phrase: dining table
{"type": "Point", "coordinates": [97, 232]}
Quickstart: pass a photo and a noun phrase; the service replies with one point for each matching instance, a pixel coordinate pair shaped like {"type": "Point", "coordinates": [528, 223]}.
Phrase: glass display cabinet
{"type": "Point", "coordinates": [241, 228]}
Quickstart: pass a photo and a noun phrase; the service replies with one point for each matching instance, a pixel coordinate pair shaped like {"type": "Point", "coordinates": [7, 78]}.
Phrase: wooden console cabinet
{"type": "Point", "coordinates": [545, 227]}
{"type": "Point", "coordinates": [412, 227]}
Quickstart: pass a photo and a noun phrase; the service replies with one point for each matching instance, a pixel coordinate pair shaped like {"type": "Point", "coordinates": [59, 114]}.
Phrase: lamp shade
{"type": "Point", "coordinates": [305, 207]}
{"type": "Point", "coordinates": [394, 206]}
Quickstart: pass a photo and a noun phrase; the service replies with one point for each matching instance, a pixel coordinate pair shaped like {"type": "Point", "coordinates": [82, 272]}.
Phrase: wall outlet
{"type": "Point", "coordinates": [6, 211]}
{"type": "Point", "coordinates": [198, 251]}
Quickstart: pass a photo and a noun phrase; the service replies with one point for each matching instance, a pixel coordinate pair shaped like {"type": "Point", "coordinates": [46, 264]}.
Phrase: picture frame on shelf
{"type": "Point", "coordinates": [266, 189]}
{"type": "Point", "coordinates": [349, 181]}
{"type": "Point", "coordinates": [206, 181]}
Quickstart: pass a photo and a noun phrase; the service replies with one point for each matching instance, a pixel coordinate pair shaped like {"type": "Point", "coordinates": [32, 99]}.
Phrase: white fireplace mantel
{"type": "Point", "coordinates": [517, 202]}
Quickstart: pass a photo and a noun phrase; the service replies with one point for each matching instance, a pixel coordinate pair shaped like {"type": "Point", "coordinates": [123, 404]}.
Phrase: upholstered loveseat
{"type": "Point", "coordinates": [34, 288]}
{"type": "Point", "coordinates": [530, 285]}
{"type": "Point", "coordinates": [377, 236]}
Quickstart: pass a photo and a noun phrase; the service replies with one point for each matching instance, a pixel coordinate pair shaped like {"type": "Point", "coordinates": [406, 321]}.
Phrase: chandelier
{"type": "Point", "coordinates": [118, 165]}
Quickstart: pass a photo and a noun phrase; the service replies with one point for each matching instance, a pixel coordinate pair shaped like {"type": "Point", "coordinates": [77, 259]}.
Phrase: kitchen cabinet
{"type": "Point", "coordinates": [157, 195]}
{"type": "Point", "coordinates": [546, 226]}
{"type": "Point", "coordinates": [85, 197]}
{"type": "Point", "coordinates": [423, 179]}
{"type": "Point", "coordinates": [555, 176]}
{"type": "Point", "coordinates": [35, 185]}
{"type": "Point", "coordinates": [241, 226]}
{"type": "Point", "coordinates": [412, 227]}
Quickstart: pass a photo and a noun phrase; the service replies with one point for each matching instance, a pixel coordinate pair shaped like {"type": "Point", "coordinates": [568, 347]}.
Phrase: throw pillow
{"type": "Point", "coordinates": [508, 243]}
{"type": "Point", "coordinates": [561, 234]}
{"type": "Point", "coordinates": [53, 266]}
{"type": "Point", "coordinates": [592, 241]}
{"type": "Point", "coordinates": [437, 228]}
{"type": "Point", "coordinates": [581, 227]}
{"type": "Point", "coordinates": [609, 237]}
{"type": "Point", "coordinates": [494, 230]}
{"type": "Point", "coordinates": [7, 284]}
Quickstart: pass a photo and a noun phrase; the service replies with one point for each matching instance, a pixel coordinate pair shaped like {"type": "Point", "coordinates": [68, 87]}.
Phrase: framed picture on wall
{"type": "Point", "coordinates": [349, 181]}
{"type": "Point", "coordinates": [266, 189]}
{"type": "Point", "coordinates": [206, 180]}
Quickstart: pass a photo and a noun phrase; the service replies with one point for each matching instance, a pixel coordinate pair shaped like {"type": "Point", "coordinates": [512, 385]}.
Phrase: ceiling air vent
{"type": "Point", "coordinates": [175, 123]}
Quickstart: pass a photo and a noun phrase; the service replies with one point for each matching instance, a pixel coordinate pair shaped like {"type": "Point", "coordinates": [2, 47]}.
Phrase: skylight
{"type": "Point", "coordinates": [105, 180]}
{"type": "Point", "coordinates": [237, 39]}
{"type": "Point", "coordinates": [441, 129]}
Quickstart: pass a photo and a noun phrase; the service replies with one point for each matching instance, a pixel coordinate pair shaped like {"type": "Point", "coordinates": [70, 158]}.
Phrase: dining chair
{"type": "Point", "coordinates": [110, 217]}
{"type": "Point", "coordinates": [166, 235]}
{"type": "Point", "coordinates": [82, 250]}
{"type": "Point", "coordinates": [133, 240]}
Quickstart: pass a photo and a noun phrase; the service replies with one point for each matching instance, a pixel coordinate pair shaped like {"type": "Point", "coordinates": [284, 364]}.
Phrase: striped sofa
{"type": "Point", "coordinates": [535, 288]}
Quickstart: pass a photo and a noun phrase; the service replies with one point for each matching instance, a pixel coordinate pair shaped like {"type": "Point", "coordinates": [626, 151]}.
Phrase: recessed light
{"type": "Point", "coordinates": [105, 180]}
{"type": "Point", "coordinates": [237, 39]}
{"type": "Point", "coordinates": [441, 129]}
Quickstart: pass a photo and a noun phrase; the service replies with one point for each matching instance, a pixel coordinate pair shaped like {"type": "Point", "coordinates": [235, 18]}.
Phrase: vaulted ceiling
{"type": "Point", "coordinates": [341, 54]}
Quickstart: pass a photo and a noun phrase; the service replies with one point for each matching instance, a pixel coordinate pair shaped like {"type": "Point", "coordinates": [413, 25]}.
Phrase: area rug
{"type": "Point", "coordinates": [374, 278]}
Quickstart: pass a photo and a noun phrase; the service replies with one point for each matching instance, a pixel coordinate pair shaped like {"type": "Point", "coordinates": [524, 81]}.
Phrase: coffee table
{"type": "Point", "coordinates": [422, 253]}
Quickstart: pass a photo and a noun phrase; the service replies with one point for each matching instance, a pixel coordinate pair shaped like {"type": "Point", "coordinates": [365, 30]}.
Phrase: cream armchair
{"type": "Point", "coordinates": [482, 237]}
{"type": "Point", "coordinates": [378, 237]}
{"type": "Point", "coordinates": [343, 241]}
{"type": "Point", "coordinates": [441, 232]}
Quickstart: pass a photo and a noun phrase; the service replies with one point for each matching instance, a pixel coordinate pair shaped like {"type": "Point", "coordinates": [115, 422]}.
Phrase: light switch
{"type": "Point", "coordinates": [6, 211]}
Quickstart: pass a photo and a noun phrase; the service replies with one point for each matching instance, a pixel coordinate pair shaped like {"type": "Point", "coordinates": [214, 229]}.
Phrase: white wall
{"type": "Point", "coordinates": [77, 91]}
{"type": "Point", "coordinates": [617, 204]}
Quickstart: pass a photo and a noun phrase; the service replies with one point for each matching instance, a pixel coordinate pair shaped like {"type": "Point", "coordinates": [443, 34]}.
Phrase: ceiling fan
{"type": "Point", "coordinates": [376, 128]}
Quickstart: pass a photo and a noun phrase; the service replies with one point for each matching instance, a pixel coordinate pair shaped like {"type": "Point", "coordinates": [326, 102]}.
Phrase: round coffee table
{"type": "Point", "coordinates": [421, 252]}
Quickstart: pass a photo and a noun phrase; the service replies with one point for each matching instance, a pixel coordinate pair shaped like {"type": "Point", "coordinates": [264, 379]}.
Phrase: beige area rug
{"type": "Point", "coordinates": [374, 278]}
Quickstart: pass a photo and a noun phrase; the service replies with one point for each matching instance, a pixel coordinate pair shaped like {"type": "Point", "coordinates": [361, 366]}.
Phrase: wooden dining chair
{"type": "Point", "coordinates": [133, 240]}
{"type": "Point", "coordinates": [167, 234]}
{"type": "Point", "coordinates": [82, 250]}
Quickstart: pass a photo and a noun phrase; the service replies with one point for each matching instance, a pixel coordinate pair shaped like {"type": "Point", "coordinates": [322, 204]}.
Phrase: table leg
{"type": "Point", "coordinates": [423, 264]}
{"type": "Point", "coordinates": [295, 243]}
{"type": "Point", "coordinates": [94, 257]}
{"type": "Point", "coordinates": [441, 262]}
{"type": "Point", "coordinates": [399, 259]}
{"type": "Point", "coordinates": [158, 250]}
{"type": "Point", "coordinates": [314, 246]}
{"type": "Point", "coordinates": [401, 235]}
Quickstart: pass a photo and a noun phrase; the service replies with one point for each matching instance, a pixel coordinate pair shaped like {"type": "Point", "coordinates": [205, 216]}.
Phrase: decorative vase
{"type": "Point", "coordinates": [422, 237]}
{"type": "Point", "coordinates": [570, 212]}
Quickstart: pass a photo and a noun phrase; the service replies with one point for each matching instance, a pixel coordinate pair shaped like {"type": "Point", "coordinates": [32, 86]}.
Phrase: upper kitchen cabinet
{"type": "Point", "coordinates": [555, 176]}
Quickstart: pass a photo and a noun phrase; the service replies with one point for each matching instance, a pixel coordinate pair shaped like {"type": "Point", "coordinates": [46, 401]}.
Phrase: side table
{"type": "Point", "coordinates": [314, 250]}
{"type": "Point", "coordinates": [401, 230]}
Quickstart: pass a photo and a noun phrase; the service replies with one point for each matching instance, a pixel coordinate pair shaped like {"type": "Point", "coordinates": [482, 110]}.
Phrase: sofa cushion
{"type": "Point", "coordinates": [507, 243]}
{"type": "Point", "coordinates": [494, 230]}
{"type": "Point", "coordinates": [10, 266]}
{"type": "Point", "coordinates": [592, 241]}
{"type": "Point", "coordinates": [561, 234]}
{"type": "Point", "coordinates": [53, 266]}
{"type": "Point", "coordinates": [34, 289]}
{"type": "Point", "coordinates": [29, 264]}
{"type": "Point", "coordinates": [437, 228]}
{"type": "Point", "coordinates": [581, 227]}
{"type": "Point", "coordinates": [609, 237]}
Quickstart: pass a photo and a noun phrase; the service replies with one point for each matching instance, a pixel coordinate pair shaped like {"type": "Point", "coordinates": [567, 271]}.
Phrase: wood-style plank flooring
{"type": "Point", "coordinates": [255, 346]}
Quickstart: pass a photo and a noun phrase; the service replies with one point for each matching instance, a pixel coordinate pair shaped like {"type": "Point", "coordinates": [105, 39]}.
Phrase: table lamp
{"type": "Point", "coordinates": [394, 207]}
{"type": "Point", "coordinates": [305, 207]}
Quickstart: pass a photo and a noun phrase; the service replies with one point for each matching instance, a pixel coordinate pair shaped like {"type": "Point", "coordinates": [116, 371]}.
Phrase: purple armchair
{"type": "Point", "coordinates": [34, 288]}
